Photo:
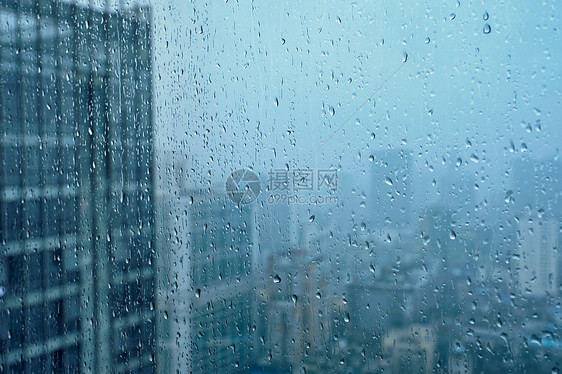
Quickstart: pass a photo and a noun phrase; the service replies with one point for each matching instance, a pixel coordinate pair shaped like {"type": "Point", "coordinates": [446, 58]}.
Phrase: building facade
{"type": "Point", "coordinates": [77, 258]}
{"type": "Point", "coordinates": [211, 279]}
{"type": "Point", "coordinates": [538, 254]}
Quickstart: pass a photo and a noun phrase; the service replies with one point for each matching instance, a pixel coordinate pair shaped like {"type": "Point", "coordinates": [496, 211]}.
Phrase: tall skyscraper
{"type": "Point", "coordinates": [392, 191]}
{"type": "Point", "coordinates": [211, 307]}
{"type": "Point", "coordinates": [294, 318]}
{"type": "Point", "coordinates": [77, 257]}
{"type": "Point", "coordinates": [536, 185]}
{"type": "Point", "coordinates": [538, 253]}
{"type": "Point", "coordinates": [411, 349]}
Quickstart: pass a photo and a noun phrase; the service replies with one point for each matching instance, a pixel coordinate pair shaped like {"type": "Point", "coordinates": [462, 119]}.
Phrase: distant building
{"type": "Point", "coordinates": [538, 256]}
{"type": "Point", "coordinates": [211, 306]}
{"type": "Point", "coordinates": [294, 313]}
{"type": "Point", "coordinates": [460, 360]}
{"type": "Point", "coordinates": [441, 236]}
{"type": "Point", "coordinates": [411, 349]}
{"type": "Point", "coordinates": [536, 186]}
{"type": "Point", "coordinates": [77, 257]}
{"type": "Point", "coordinates": [391, 197]}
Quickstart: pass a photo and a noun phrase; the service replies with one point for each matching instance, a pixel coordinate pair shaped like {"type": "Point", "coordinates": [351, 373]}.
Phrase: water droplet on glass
{"type": "Point", "coordinates": [486, 16]}
{"type": "Point", "coordinates": [276, 279]}
{"type": "Point", "coordinates": [487, 29]}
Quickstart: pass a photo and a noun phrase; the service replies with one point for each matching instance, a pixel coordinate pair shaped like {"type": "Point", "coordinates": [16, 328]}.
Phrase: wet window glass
{"type": "Point", "coordinates": [280, 187]}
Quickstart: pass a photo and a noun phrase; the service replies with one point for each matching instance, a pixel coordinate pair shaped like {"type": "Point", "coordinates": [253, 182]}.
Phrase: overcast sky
{"type": "Point", "coordinates": [263, 84]}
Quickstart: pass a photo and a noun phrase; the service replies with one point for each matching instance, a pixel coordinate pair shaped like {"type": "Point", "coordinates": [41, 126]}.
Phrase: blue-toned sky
{"type": "Point", "coordinates": [274, 80]}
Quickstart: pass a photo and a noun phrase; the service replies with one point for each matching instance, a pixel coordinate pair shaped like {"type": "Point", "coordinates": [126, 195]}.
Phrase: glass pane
{"type": "Point", "coordinates": [280, 187]}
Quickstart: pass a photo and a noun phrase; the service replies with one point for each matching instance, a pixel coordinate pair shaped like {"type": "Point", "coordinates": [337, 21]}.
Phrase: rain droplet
{"type": "Point", "coordinates": [452, 235]}
{"type": "Point", "coordinates": [198, 292]}
{"type": "Point", "coordinates": [276, 279]}
{"type": "Point", "coordinates": [486, 16]}
{"type": "Point", "coordinates": [388, 181]}
{"type": "Point", "coordinates": [312, 218]}
{"type": "Point", "coordinates": [487, 29]}
{"type": "Point", "coordinates": [404, 57]}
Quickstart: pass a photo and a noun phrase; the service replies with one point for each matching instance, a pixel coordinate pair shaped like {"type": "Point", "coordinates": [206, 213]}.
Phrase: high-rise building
{"type": "Point", "coordinates": [392, 192]}
{"type": "Point", "coordinates": [536, 185]}
{"type": "Point", "coordinates": [294, 316]}
{"type": "Point", "coordinates": [77, 257]}
{"type": "Point", "coordinates": [538, 253]}
{"type": "Point", "coordinates": [211, 308]}
{"type": "Point", "coordinates": [411, 349]}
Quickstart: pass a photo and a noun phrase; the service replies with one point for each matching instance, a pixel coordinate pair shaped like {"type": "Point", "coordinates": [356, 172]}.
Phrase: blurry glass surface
{"type": "Point", "coordinates": [280, 187]}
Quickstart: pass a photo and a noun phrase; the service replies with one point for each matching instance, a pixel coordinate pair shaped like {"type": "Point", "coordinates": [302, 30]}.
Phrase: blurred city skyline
{"type": "Point", "coordinates": [280, 187]}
